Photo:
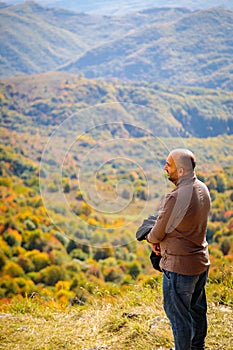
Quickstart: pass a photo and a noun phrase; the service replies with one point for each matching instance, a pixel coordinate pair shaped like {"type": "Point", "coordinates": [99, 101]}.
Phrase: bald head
{"type": "Point", "coordinates": [184, 159]}
{"type": "Point", "coordinates": [180, 162]}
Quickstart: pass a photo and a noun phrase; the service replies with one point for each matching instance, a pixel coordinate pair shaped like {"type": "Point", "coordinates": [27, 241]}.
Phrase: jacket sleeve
{"type": "Point", "coordinates": [159, 230]}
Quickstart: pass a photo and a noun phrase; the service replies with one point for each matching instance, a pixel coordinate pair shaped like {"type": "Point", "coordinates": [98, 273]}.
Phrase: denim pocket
{"type": "Point", "coordinates": [167, 274]}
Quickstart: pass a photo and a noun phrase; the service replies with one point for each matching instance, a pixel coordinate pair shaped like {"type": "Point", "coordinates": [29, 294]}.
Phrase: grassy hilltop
{"type": "Point", "coordinates": [133, 320]}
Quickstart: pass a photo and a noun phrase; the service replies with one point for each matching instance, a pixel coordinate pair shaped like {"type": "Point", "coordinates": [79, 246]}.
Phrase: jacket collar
{"type": "Point", "coordinates": [186, 179]}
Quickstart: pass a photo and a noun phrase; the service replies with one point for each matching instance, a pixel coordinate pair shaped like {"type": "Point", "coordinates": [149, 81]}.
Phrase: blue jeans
{"type": "Point", "coordinates": [186, 308]}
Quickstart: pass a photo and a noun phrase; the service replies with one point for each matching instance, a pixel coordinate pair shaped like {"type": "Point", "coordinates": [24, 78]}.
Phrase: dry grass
{"type": "Point", "coordinates": [133, 321]}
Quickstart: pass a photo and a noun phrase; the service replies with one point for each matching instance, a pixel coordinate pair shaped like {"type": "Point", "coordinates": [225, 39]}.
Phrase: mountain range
{"type": "Point", "coordinates": [172, 46]}
{"type": "Point", "coordinates": [195, 49]}
{"type": "Point", "coordinates": [125, 6]}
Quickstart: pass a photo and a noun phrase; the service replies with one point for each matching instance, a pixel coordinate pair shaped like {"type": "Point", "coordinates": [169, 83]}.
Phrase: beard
{"type": "Point", "coordinates": [172, 177]}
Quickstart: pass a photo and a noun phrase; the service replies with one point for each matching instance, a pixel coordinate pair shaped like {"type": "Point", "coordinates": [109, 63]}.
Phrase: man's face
{"type": "Point", "coordinates": [171, 169]}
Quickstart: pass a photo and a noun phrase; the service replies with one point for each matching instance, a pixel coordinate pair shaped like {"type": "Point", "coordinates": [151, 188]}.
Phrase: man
{"type": "Point", "coordinates": [180, 232]}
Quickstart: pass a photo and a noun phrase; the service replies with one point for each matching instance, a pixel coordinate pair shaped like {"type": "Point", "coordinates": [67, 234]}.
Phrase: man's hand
{"type": "Point", "coordinates": [156, 248]}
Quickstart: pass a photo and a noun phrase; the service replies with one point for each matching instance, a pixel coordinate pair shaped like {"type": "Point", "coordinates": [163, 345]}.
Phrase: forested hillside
{"type": "Point", "coordinates": [35, 255]}
{"type": "Point", "coordinates": [171, 46]}
{"type": "Point", "coordinates": [48, 99]}
{"type": "Point", "coordinates": [63, 233]}
{"type": "Point", "coordinates": [193, 50]}
{"type": "Point", "coordinates": [36, 39]}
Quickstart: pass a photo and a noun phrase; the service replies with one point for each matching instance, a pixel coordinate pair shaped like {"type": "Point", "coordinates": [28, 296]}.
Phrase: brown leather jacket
{"type": "Point", "coordinates": [181, 228]}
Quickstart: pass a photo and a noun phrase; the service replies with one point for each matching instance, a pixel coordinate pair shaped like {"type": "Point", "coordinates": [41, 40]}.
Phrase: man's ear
{"type": "Point", "coordinates": [181, 172]}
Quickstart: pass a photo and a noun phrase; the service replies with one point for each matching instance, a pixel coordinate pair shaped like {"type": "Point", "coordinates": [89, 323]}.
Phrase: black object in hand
{"type": "Point", "coordinates": [155, 260]}
{"type": "Point", "coordinates": [145, 228]}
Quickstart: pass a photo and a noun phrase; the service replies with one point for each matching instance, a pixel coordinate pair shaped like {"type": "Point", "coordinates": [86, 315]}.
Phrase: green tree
{"type": "Point", "coordinates": [50, 275]}
{"type": "Point", "coordinates": [135, 269]}
{"type": "Point", "coordinates": [113, 274]}
{"type": "Point", "coordinates": [78, 254]}
{"type": "Point", "coordinates": [221, 183]}
{"type": "Point", "coordinates": [3, 259]}
{"type": "Point", "coordinates": [39, 259]}
{"type": "Point", "coordinates": [8, 286]}
{"type": "Point", "coordinates": [104, 252]}
{"type": "Point", "coordinates": [12, 237]}
{"type": "Point", "coordinates": [35, 241]}
{"type": "Point", "coordinates": [66, 187]}
{"type": "Point", "coordinates": [225, 246]}
{"type": "Point", "coordinates": [211, 183]}
{"type": "Point", "coordinates": [26, 263]}
{"type": "Point", "coordinates": [13, 269]}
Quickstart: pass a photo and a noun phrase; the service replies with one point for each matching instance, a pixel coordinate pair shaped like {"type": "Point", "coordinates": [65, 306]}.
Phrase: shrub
{"type": "Point", "coordinates": [79, 195]}
{"type": "Point", "coordinates": [17, 251]}
{"type": "Point", "coordinates": [30, 225]}
{"type": "Point", "coordinates": [113, 274]}
{"type": "Point", "coordinates": [221, 183]}
{"type": "Point", "coordinates": [79, 280]}
{"type": "Point", "coordinates": [71, 245]}
{"type": "Point", "coordinates": [85, 209]}
{"type": "Point", "coordinates": [25, 287]}
{"type": "Point", "coordinates": [12, 237]}
{"type": "Point", "coordinates": [52, 187]}
{"type": "Point", "coordinates": [3, 259]}
{"type": "Point", "coordinates": [225, 246]}
{"type": "Point", "coordinates": [6, 182]}
{"type": "Point", "coordinates": [8, 286]}
{"type": "Point", "coordinates": [50, 275]}
{"type": "Point", "coordinates": [106, 251]}
{"type": "Point", "coordinates": [13, 269]}
{"type": "Point", "coordinates": [5, 249]}
{"type": "Point", "coordinates": [78, 254]}
{"type": "Point", "coordinates": [94, 270]}
{"type": "Point", "coordinates": [134, 269]}
{"type": "Point", "coordinates": [57, 257]}
{"type": "Point", "coordinates": [62, 285]}
{"type": "Point", "coordinates": [81, 296]}
{"type": "Point", "coordinates": [35, 241]}
{"type": "Point", "coordinates": [73, 267]}
{"type": "Point", "coordinates": [26, 263]}
{"type": "Point", "coordinates": [65, 296]}
{"type": "Point", "coordinates": [61, 238]}
{"type": "Point", "coordinates": [39, 259]}
{"type": "Point", "coordinates": [127, 280]}
{"type": "Point", "coordinates": [62, 291]}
